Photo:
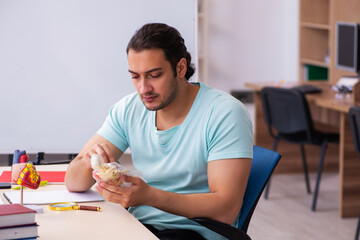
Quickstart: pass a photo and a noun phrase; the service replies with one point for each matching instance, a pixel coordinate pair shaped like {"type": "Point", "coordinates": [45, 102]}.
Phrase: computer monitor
{"type": "Point", "coordinates": [347, 46]}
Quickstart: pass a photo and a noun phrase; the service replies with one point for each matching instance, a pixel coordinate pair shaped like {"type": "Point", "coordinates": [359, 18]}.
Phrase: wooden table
{"type": "Point", "coordinates": [112, 222]}
{"type": "Point", "coordinates": [330, 114]}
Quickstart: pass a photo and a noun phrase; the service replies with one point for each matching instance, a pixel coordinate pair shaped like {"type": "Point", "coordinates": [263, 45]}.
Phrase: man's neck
{"type": "Point", "coordinates": [175, 113]}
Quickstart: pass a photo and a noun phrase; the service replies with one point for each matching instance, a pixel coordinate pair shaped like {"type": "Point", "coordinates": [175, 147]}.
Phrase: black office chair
{"type": "Point", "coordinates": [263, 164]}
{"type": "Point", "coordinates": [354, 117]}
{"type": "Point", "coordinates": [288, 118]}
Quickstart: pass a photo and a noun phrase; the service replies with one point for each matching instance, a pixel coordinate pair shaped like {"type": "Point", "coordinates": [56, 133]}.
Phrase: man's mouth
{"type": "Point", "coordinates": [149, 98]}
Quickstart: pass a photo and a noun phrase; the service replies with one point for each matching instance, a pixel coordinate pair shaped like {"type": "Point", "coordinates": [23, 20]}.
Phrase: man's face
{"type": "Point", "coordinates": [153, 78]}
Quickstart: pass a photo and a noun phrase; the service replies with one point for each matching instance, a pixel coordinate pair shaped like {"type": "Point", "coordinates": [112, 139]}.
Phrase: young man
{"type": "Point", "coordinates": [192, 143]}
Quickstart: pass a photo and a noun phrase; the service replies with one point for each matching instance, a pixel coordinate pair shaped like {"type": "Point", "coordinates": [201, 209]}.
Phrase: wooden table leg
{"type": "Point", "coordinates": [349, 172]}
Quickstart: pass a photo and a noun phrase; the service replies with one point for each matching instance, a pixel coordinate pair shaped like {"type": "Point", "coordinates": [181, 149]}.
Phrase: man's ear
{"type": "Point", "coordinates": [181, 68]}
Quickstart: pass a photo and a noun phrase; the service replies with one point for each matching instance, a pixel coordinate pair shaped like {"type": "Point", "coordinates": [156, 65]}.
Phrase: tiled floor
{"type": "Point", "coordinates": [287, 215]}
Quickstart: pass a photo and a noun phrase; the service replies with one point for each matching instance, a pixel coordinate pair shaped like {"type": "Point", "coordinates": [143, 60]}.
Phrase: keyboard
{"type": "Point", "coordinates": [307, 88]}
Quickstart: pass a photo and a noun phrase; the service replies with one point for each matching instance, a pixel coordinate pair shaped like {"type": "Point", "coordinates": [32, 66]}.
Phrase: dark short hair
{"type": "Point", "coordinates": [166, 38]}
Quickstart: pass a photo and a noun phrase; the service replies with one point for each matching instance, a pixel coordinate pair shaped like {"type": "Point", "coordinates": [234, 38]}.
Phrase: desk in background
{"type": "Point", "coordinates": [329, 114]}
{"type": "Point", "coordinates": [113, 222]}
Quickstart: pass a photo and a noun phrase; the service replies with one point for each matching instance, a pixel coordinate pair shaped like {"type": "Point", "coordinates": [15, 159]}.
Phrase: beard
{"type": "Point", "coordinates": [173, 92]}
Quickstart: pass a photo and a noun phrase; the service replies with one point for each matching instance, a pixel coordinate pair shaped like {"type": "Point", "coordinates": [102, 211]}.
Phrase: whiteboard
{"type": "Point", "coordinates": [63, 64]}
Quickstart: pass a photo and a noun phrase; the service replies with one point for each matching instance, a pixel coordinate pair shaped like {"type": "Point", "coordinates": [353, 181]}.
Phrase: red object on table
{"type": "Point", "coordinates": [29, 177]}
{"type": "Point", "coordinates": [50, 176]}
{"type": "Point", "coordinates": [24, 158]}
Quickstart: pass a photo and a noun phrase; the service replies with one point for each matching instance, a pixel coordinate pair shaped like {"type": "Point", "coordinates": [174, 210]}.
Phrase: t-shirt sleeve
{"type": "Point", "coordinates": [230, 132]}
{"type": "Point", "coordinates": [113, 127]}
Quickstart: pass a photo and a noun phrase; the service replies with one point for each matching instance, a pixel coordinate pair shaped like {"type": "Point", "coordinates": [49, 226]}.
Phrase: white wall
{"type": "Point", "coordinates": [63, 64]}
{"type": "Point", "coordinates": [252, 41]}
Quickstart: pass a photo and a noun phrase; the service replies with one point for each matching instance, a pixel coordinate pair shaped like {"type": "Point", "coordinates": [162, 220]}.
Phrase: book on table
{"type": "Point", "coordinates": [17, 222]}
{"type": "Point", "coordinates": [26, 231]}
{"type": "Point", "coordinates": [15, 215]}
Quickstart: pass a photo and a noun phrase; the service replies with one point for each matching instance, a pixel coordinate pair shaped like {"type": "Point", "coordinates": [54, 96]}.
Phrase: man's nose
{"type": "Point", "coordinates": [145, 87]}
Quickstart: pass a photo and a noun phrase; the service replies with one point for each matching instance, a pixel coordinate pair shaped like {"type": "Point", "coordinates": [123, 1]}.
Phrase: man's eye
{"type": "Point", "coordinates": [155, 75]}
{"type": "Point", "coordinates": [134, 76]}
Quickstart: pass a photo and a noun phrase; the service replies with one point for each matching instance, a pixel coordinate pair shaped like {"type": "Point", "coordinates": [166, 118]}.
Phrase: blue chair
{"type": "Point", "coordinates": [354, 117]}
{"type": "Point", "coordinates": [263, 164]}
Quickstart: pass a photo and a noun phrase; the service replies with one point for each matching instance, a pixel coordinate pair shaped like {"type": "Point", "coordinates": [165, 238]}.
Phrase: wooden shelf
{"type": "Point", "coordinates": [314, 44]}
{"type": "Point", "coordinates": [315, 11]}
{"type": "Point", "coordinates": [315, 25]}
{"type": "Point", "coordinates": [306, 61]}
{"type": "Point", "coordinates": [317, 33]}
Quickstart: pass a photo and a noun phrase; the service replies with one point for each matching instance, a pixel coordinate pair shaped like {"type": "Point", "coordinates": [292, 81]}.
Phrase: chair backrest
{"type": "Point", "coordinates": [354, 117]}
{"type": "Point", "coordinates": [286, 110]}
{"type": "Point", "coordinates": [263, 164]}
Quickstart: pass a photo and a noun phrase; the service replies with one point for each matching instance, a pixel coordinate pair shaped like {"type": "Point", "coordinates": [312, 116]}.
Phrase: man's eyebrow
{"type": "Point", "coordinates": [149, 71]}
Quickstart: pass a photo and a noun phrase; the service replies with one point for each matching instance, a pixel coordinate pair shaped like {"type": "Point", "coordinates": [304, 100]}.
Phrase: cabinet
{"type": "Point", "coordinates": [203, 8]}
{"type": "Point", "coordinates": [317, 37]}
{"type": "Point", "coordinates": [315, 29]}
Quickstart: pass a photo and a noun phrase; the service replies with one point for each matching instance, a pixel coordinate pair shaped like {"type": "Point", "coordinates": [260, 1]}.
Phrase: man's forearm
{"type": "Point", "coordinates": [207, 205]}
{"type": "Point", "coordinates": [78, 177]}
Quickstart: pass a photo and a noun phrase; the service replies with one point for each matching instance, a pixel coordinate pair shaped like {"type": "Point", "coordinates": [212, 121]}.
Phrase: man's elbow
{"type": "Point", "coordinates": [74, 188]}
{"type": "Point", "coordinates": [77, 185]}
{"type": "Point", "coordinates": [230, 215]}
{"type": "Point", "coordinates": [71, 187]}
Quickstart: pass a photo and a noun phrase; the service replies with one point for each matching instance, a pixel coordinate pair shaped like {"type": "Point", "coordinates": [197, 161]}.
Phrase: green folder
{"type": "Point", "coordinates": [316, 73]}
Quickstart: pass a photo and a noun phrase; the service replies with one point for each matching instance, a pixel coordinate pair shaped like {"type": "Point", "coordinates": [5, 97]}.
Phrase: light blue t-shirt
{"type": "Point", "coordinates": [217, 127]}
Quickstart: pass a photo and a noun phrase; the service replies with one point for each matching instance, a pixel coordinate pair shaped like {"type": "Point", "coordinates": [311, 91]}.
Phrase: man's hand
{"type": "Point", "coordinates": [103, 150]}
{"type": "Point", "coordinates": [78, 176]}
{"type": "Point", "coordinates": [137, 194]}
